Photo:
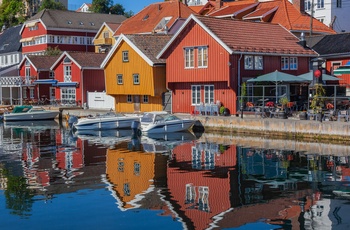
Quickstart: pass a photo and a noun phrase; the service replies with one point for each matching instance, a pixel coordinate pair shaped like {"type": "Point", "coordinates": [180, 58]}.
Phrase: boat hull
{"type": "Point", "coordinates": [167, 127]}
{"type": "Point", "coordinates": [104, 123]}
{"type": "Point", "coordinates": [31, 116]}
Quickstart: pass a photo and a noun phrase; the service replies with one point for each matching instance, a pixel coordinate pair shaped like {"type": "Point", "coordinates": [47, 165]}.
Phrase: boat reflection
{"type": "Point", "coordinates": [203, 181]}
{"type": "Point", "coordinates": [32, 125]}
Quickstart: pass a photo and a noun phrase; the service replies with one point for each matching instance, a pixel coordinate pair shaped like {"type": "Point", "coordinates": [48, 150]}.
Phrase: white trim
{"type": "Point", "coordinates": [194, 18]}
{"type": "Point", "coordinates": [121, 38]}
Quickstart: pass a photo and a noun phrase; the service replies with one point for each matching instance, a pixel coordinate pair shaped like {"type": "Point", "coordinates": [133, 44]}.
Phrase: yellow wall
{"type": "Point", "coordinates": [100, 36]}
{"type": "Point", "coordinates": [152, 80]}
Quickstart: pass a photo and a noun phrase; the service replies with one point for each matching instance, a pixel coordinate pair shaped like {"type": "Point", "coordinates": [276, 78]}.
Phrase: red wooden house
{"type": "Point", "coordinates": [38, 78]}
{"type": "Point", "coordinates": [66, 30]}
{"type": "Point", "coordinates": [208, 59]}
{"type": "Point", "coordinates": [76, 74]}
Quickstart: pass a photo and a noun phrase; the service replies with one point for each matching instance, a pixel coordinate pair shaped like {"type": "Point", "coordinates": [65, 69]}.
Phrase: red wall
{"type": "Point", "coordinates": [93, 80]}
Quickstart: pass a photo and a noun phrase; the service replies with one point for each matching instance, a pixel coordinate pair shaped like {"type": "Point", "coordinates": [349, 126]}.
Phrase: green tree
{"type": "Point", "coordinates": [52, 51]}
{"type": "Point", "coordinates": [51, 4]}
{"type": "Point", "coordinates": [117, 9]}
{"type": "Point", "coordinates": [101, 6]}
{"type": "Point", "coordinates": [11, 13]}
{"type": "Point", "coordinates": [129, 14]}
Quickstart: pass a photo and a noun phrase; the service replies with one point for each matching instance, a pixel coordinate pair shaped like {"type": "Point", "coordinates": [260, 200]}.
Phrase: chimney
{"type": "Point", "coordinates": [302, 40]}
{"type": "Point", "coordinates": [218, 4]}
{"type": "Point", "coordinates": [299, 5]}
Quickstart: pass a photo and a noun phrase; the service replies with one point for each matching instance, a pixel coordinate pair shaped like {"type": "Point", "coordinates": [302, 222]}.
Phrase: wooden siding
{"type": "Point", "coordinates": [154, 104]}
{"type": "Point", "coordinates": [92, 80]}
{"type": "Point", "coordinates": [100, 36]}
{"type": "Point", "coordinates": [152, 81]}
{"type": "Point", "coordinates": [218, 59]}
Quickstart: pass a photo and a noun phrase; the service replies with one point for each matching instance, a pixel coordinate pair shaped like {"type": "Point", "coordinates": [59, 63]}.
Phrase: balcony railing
{"type": "Point", "coordinates": [103, 41]}
{"type": "Point", "coordinates": [16, 81]}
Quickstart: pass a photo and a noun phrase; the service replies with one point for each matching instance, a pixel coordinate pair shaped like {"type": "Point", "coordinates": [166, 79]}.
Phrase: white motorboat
{"type": "Point", "coordinates": [163, 122]}
{"type": "Point", "coordinates": [106, 121]}
{"type": "Point", "coordinates": [107, 138]}
{"type": "Point", "coordinates": [30, 113]}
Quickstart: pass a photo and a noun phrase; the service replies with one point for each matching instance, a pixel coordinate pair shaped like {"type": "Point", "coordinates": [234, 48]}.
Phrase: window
{"type": "Point", "coordinates": [31, 93]}
{"type": "Point", "coordinates": [52, 74]}
{"type": "Point", "coordinates": [248, 62]}
{"type": "Point", "coordinates": [202, 57]}
{"type": "Point", "coordinates": [105, 34]}
{"type": "Point", "coordinates": [293, 63]}
{"type": "Point", "coordinates": [136, 79]}
{"type": "Point", "coordinates": [284, 63]}
{"type": "Point", "coordinates": [289, 63]}
{"type": "Point", "coordinates": [27, 71]}
{"type": "Point", "coordinates": [129, 99]}
{"type": "Point", "coordinates": [119, 79]}
{"type": "Point", "coordinates": [137, 167]}
{"type": "Point", "coordinates": [120, 166]}
{"type": "Point", "coordinates": [68, 94]}
{"type": "Point", "coordinates": [208, 94]}
{"type": "Point", "coordinates": [145, 99]}
{"type": "Point", "coordinates": [25, 93]}
{"type": "Point", "coordinates": [125, 56]}
{"type": "Point", "coordinates": [339, 3]}
{"type": "Point", "coordinates": [320, 4]}
{"type": "Point", "coordinates": [335, 65]}
{"type": "Point", "coordinates": [307, 5]}
{"type": "Point", "coordinates": [258, 62]}
{"type": "Point", "coordinates": [196, 94]}
{"type": "Point", "coordinates": [67, 73]}
{"type": "Point", "coordinates": [189, 58]}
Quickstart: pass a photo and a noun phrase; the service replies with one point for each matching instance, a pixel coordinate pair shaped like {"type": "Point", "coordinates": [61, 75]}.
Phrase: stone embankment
{"type": "Point", "coordinates": [284, 128]}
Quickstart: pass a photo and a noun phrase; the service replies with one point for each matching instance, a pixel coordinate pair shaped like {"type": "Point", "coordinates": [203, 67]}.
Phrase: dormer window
{"type": "Point", "coordinates": [69, 22]}
{"type": "Point", "coordinates": [3, 47]}
{"type": "Point", "coordinates": [81, 23]}
{"type": "Point", "coordinates": [91, 23]}
{"type": "Point", "coordinates": [162, 24]}
{"type": "Point", "coordinates": [146, 17]}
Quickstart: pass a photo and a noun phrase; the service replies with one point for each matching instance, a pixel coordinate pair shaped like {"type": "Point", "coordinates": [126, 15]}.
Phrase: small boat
{"type": "Point", "coordinates": [163, 122]}
{"type": "Point", "coordinates": [30, 113]}
{"type": "Point", "coordinates": [105, 121]}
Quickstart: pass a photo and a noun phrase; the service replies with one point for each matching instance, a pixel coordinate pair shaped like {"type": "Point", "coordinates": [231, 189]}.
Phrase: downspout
{"type": "Point", "coordinates": [239, 81]}
{"type": "Point", "coordinates": [82, 86]}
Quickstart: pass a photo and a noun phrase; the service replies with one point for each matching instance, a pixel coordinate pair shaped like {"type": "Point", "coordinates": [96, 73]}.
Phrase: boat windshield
{"type": "Point", "coordinates": [21, 109]}
{"type": "Point", "coordinates": [171, 118]}
{"type": "Point", "coordinates": [147, 117]}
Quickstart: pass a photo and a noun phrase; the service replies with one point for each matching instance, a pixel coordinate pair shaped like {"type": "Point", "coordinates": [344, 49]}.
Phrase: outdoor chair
{"type": "Point", "coordinates": [259, 111]}
{"type": "Point", "coordinates": [343, 114]}
{"type": "Point", "coordinates": [311, 115]}
{"type": "Point", "coordinates": [275, 112]}
{"type": "Point", "coordinates": [328, 115]}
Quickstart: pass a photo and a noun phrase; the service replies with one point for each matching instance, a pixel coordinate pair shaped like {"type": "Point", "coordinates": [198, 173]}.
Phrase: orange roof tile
{"type": "Point", "coordinates": [264, 14]}
{"type": "Point", "coordinates": [147, 19]}
{"type": "Point", "coordinates": [235, 10]}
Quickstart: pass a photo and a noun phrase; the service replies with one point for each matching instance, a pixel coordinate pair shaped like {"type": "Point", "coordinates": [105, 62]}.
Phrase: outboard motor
{"type": "Point", "coordinates": [135, 127]}
{"type": "Point", "coordinates": [72, 120]}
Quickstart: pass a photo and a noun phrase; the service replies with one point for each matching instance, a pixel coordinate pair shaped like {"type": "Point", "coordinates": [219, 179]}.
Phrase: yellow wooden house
{"type": "Point", "coordinates": [133, 74]}
{"type": "Point", "coordinates": [104, 39]}
{"type": "Point", "coordinates": [133, 173]}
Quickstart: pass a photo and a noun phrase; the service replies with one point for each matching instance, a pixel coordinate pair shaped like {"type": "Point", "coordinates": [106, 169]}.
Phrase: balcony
{"type": "Point", "coordinates": [103, 41]}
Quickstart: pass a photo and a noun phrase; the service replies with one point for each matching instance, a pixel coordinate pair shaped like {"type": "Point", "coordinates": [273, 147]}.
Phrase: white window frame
{"type": "Point", "coordinates": [258, 62]}
{"type": "Point", "coordinates": [129, 98]}
{"type": "Point", "coordinates": [52, 74]}
{"type": "Point", "coordinates": [320, 4]}
{"type": "Point", "coordinates": [120, 79]}
{"type": "Point", "coordinates": [125, 56]}
{"type": "Point", "coordinates": [68, 94]}
{"type": "Point", "coordinates": [67, 71]}
{"type": "Point", "coordinates": [284, 63]}
{"type": "Point", "coordinates": [195, 94]}
{"type": "Point", "coordinates": [189, 58]}
{"type": "Point", "coordinates": [248, 62]}
{"type": "Point", "coordinates": [307, 5]}
{"type": "Point", "coordinates": [293, 63]}
{"type": "Point", "coordinates": [31, 92]}
{"type": "Point", "coordinates": [105, 34]}
{"type": "Point", "coordinates": [202, 57]}
{"type": "Point", "coordinates": [136, 78]}
{"type": "Point", "coordinates": [209, 94]}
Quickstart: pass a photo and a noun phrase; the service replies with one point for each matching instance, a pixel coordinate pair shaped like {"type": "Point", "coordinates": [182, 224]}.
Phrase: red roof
{"type": "Point", "coordinates": [268, 37]}
{"type": "Point", "coordinates": [147, 19]}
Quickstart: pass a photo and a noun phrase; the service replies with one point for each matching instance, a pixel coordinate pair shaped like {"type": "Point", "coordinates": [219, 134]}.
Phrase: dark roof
{"type": "Point", "coordinates": [88, 59]}
{"type": "Point", "coordinates": [42, 62]}
{"type": "Point", "coordinates": [268, 37]}
{"type": "Point", "coordinates": [333, 44]}
{"type": "Point", "coordinates": [150, 44]}
{"type": "Point", "coordinates": [75, 20]}
{"type": "Point", "coordinates": [9, 40]}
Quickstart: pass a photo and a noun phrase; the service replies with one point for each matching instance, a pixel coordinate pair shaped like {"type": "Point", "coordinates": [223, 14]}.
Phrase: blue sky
{"type": "Point", "coordinates": [133, 5]}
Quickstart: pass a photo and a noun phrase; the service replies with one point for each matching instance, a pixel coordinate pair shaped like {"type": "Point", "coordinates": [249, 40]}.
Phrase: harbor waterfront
{"type": "Point", "coordinates": [292, 127]}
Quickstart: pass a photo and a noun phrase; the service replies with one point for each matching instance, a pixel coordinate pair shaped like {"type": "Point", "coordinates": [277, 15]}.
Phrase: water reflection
{"type": "Point", "coordinates": [199, 181]}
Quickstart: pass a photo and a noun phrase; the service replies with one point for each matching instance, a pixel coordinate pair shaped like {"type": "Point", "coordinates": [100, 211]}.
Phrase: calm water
{"type": "Point", "coordinates": [53, 179]}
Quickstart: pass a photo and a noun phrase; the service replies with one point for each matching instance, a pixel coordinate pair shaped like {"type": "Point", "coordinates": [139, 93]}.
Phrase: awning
{"type": "Point", "coordinates": [67, 84]}
{"type": "Point", "coordinates": [45, 81]}
{"type": "Point", "coordinates": [26, 39]}
{"type": "Point", "coordinates": [31, 24]}
{"type": "Point", "coordinates": [325, 77]}
{"type": "Point", "coordinates": [342, 70]}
